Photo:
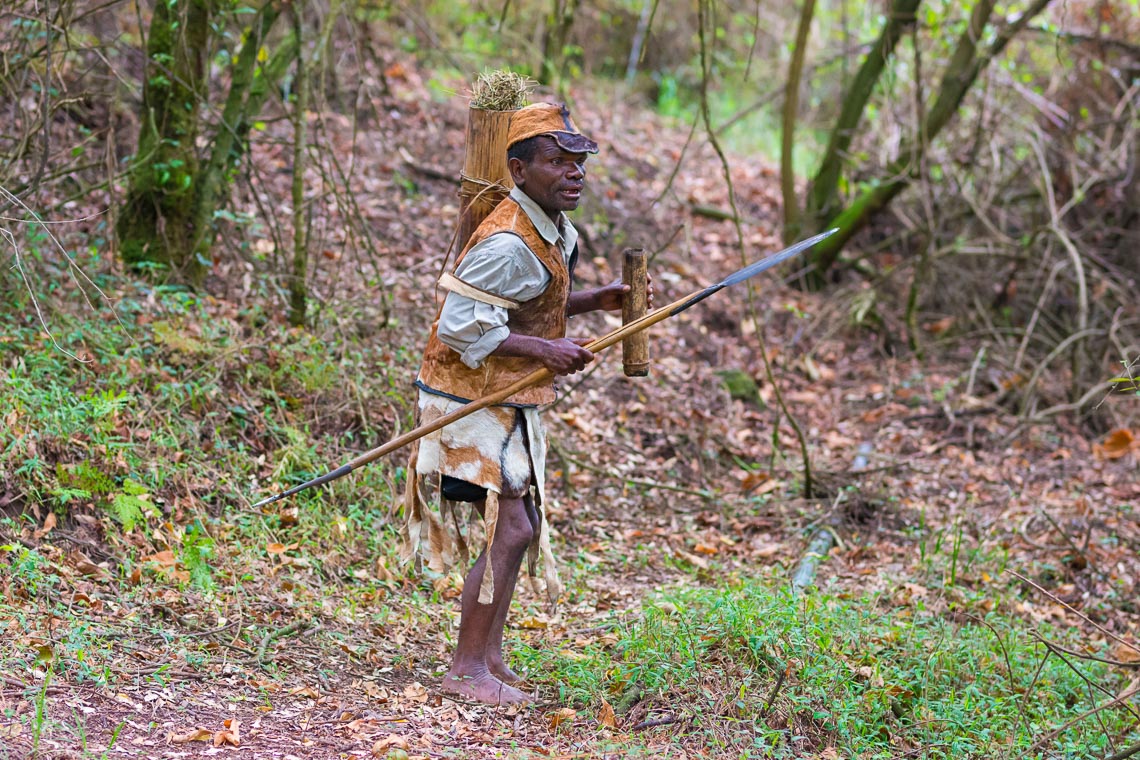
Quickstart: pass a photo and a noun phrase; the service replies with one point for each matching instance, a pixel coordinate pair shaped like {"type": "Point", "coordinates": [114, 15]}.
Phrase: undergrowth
{"type": "Point", "coordinates": [186, 408]}
{"type": "Point", "coordinates": [748, 670]}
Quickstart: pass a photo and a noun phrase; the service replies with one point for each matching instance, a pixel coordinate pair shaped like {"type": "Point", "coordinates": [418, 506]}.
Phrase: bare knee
{"type": "Point", "coordinates": [514, 527]}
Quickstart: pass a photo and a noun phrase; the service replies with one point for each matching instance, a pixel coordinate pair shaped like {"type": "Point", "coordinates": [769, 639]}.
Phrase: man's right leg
{"type": "Point", "coordinates": [479, 624]}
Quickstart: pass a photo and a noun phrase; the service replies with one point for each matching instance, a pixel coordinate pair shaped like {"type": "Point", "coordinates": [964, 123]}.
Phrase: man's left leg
{"type": "Point", "coordinates": [495, 661]}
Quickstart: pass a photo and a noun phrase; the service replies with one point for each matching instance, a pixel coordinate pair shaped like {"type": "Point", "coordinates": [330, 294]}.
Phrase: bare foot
{"type": "Point", "coordinates": [484, 688]}
{"type": "Point", "coordinates": [500, 670]}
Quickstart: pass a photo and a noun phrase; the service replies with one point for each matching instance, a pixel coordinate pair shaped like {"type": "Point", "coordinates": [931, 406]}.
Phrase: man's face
{"type": "Point", "coordinates": [553, 179]}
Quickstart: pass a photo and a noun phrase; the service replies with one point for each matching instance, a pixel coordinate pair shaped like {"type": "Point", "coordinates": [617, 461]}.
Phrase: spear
{"type": "Point", "coordinates": [544, 375]}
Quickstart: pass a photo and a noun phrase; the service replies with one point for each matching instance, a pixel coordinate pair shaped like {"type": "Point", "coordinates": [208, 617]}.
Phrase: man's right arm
{"type": "Point", "coordinates": [505, 268]}
{"type": "Point", "coordinates": [563, 356]}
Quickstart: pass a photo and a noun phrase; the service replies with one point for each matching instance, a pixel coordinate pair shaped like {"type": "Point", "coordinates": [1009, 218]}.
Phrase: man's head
{"type": "Point", "coordinates": [546, 156]}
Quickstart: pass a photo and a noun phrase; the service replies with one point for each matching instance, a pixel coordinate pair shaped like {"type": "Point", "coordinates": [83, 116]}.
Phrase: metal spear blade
{"type": "Point", "coordinates": [756, 268]}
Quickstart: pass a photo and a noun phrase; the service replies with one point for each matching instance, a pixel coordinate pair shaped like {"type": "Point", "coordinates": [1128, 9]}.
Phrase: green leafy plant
{"type": "Point", "coordinates": [132, 505]}
{"type": "Point", "coordinates": [865, 675]}
{"type": "Point", "coordinates": [197, 551]}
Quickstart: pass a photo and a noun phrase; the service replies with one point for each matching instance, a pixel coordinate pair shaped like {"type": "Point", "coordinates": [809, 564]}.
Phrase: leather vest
{"type": "Point", "coordinates": [543, 317]}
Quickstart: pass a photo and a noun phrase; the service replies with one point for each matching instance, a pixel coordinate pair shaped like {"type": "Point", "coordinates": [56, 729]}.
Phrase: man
{"type": "Point", "coordinates": [504, 316]}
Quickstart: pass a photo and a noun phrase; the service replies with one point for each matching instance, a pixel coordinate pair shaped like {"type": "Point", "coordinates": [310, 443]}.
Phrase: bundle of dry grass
{"type": "Point", "coordinates": [500, 91]}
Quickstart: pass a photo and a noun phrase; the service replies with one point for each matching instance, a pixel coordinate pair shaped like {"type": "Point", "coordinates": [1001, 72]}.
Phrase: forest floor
{"type": "Point", "coordinates": [979, 599]}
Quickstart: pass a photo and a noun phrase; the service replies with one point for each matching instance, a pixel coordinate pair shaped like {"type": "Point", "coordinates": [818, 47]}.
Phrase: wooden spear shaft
{"type": "Point", "coordinates": [543, 375]}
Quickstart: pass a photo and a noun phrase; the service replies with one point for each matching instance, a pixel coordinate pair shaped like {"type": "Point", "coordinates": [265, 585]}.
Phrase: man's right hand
{"type": "Point", "coordinates": [562, 356]}
{"type": "Point", "coordinates": [565, 356]}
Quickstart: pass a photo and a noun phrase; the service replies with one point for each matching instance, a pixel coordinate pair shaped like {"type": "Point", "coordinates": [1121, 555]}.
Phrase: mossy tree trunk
{"type": "Point", "coordinates": [823, 195]}
{"type": "Point", "coordinates": [824, 208]}
{"type": "Point", "coordinates": [254, 73]}
{"type": "Point", "coordinates": [788, 131]}
{"type": "Point", "coordinates": [167, 220]}
{"type": "Point", "coordinates": [156, 224]}
{"type": "Point", "coordinates": [297, 292]}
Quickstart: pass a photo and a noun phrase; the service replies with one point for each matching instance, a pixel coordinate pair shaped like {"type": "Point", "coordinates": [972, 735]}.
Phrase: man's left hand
{"type": "Point", "coordinates": [609, 297]}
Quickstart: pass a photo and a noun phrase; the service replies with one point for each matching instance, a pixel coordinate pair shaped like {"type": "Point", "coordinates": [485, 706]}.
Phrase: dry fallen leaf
{"type": "Point", "coordinates": [83, 564]}
{"type": "Point", "coordinates": [275, 548]}
{"type": "Point", "coordinates": [606, 716]}
{"type": "Point", "coordinates": [197, 735]}
{"type": "Point", "coordinates": [164, 558]}
{"type": "Point", "coordinates": [938, 326]}
{"type": "Point", "coordinates": [231, 734]}
{"type": "Point", "coordinates": [1126, 653]}
{"type": "Point", "coordinates": [533, 623]}
{"type": "Point", "coordinates": [416, 692]}
{"type": "Point", "coordinates": [558, 717]}
{"type": "Point", "coordinates": [1116, 444]}
{"type": "Point", "coordinates": [49, 523]}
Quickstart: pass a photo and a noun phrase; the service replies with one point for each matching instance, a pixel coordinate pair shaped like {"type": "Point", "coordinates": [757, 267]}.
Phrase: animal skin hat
{"type": "Point", "coordinates": [552, 120]}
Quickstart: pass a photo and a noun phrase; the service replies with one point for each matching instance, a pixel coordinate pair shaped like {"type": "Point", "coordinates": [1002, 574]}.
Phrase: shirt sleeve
{"type": "Point", "coordinates": [501, 265]}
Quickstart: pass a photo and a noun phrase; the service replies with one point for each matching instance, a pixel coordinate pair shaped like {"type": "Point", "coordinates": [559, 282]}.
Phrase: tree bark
{"type": "Point", "coordinates": [788, 134]}
{"type": "Point", "coordinates": [250, 84]}
{"type": "Point", "coordinates": [156, 225]}
{"type": "Point", "coordinates": [297, 294]}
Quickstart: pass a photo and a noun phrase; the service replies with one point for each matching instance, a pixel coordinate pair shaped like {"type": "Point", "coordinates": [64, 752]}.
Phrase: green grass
{"type": "Point", "coordinates": [874, 677]}
{"type": "Point", "coordinates": [191, 409]}
{"type": "Point", "coordinates": [187, 407]}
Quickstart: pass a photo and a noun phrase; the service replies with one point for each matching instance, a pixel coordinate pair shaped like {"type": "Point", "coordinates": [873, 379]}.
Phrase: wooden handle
{"type": "Point", "coordinates": [635, 303]}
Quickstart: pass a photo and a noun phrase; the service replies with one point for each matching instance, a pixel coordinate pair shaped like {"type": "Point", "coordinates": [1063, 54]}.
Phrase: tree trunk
{"type": "Point", "coordinates": [965, 65]}
{"type": "Point", "coordinates": [788, 135]}
{"type": "Point", "coordinates": [297, 295]}
{"type": "Point", "coordinates": [156, 225]}
{"type": "Point", "coordinates": [823, 195]}
{"type": "Point", "coordinates": [250, 84]}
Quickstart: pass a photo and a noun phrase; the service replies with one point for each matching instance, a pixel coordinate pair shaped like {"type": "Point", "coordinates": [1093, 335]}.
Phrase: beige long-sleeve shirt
{"type": "Point", "coordinates": [503, 266]}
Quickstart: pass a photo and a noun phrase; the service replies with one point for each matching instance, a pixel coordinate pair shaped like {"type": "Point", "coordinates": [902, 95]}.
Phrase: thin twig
{"type": "Point", "coordinates": [1075, 611]}
{"type": "Point", "coordinates": [1008, 666]}
{"type": "Point", "coordinates": [1092, 686]}
{"type": "Point", "coordinates": [1052, 645]}
{"type": "Point", "coordinates": [775, 690]}
{"type": "Point", "coordinates": [654, 723]}
{"type": "Point", "coordinates": [1099, 708]}
{"type": "Point", "coordinates": [1066, 536]}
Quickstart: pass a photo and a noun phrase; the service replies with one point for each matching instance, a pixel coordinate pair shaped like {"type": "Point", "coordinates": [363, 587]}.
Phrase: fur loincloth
{"type": "Point", "coordinates": [499, 448]}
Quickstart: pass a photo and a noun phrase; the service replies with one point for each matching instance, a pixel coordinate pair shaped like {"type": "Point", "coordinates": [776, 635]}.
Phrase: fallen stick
{"type": "Point", "coordinates": [1074, 610]}
{"type": "Point", "coordinates": [775, 690]}
{"type": "Point", "coordinates": [824, 537]}
{"type": "Point", "coordinates": [294, 627]}
{"type": "Point", "coordinates": [654, 723]}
